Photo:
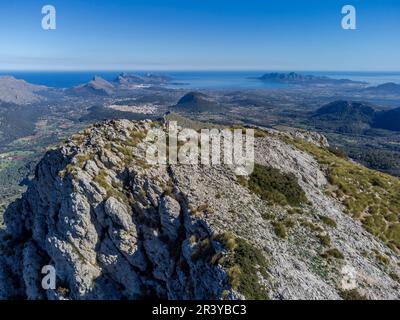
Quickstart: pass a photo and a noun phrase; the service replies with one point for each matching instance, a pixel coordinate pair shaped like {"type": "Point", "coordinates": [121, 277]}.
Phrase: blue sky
{"type": "Point", "coordinates": [200, 35]}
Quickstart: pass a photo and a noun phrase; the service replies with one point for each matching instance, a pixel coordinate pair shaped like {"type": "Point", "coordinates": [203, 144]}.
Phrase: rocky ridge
{"type": "Point", "coordinates": [115, 227]}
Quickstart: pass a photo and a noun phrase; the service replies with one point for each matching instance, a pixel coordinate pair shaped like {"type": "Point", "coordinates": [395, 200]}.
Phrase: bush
{"type": "Point", "coordinates": [381, 258]}
{"type": "Point", "coordinates": [243, 264]}
{"type": "Point", "coordinates": [280, 229]}
{"type": "Point", "coordinates": [352, 295]}
{"type": "Point", "coordinates": [337, 152]}
{"type": "Point", "coordinates": [333, 253]}
{"type": "Point", "coordinates": [325, 239]}
{"type": "Point", "coordinates": [312, 226]}
{"type": "Point", "coordinates": [276, 187]}
{"type": "Point", "coordinates": [328, 221]}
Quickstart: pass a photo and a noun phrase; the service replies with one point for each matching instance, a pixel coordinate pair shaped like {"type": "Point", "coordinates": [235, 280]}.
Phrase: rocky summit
{"type": "Point", "coordinates": [306, 224]}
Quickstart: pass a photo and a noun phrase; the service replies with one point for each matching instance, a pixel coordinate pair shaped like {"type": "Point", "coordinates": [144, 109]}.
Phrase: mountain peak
{"type": "Point", "coordinates": [115, 227]}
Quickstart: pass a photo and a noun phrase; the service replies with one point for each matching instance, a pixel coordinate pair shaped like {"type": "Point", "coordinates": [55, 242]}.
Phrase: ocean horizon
{"type": "Point", "coordinates": [195, 79]}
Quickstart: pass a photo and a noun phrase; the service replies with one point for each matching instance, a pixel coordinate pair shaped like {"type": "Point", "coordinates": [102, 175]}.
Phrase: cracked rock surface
{"type": "Point", "coordinates": [115, 227]}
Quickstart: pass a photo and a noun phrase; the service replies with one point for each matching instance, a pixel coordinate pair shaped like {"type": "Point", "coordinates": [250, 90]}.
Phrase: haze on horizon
{"type": "Point", "coordinates": [200, 35]}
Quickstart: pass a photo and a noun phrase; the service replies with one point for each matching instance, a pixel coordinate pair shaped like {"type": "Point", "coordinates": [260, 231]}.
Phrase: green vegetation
{"type": "Point", "coordinates": [370, 196]}
{"type": "Point", "coordinates": [395, 277]}
{"type": "Point", "coordinates": [82, 159]}
{"type": "Point", "coordinates": [324, 239]}
{"type": "Point", "coordinates": [293, 211]}
{"type": "Point", "coordinates": [381, 258]}
{"type": "Point", "coordinates": [328, 221]}
{"type": "Point", "coordinates": [274, 186]}
{"type": "Point", "coordinates": [204, 208]}
{"type": "Point", "coordinates": [78, 138]}
{"type": "Point", "coordinates": [333, 253]}
{"type": "Point", "coordinates": [136, 137]}
{"type": "Point", "coordinates": [280, 229]}
{"type": "Point", "coordinates": [243, 264]}
{"type": "Point", "coordinates": [112, 190]}
{"type": "Point", "coordinates": [352, 295]}
{"type": "Point", "coordinates": [311, 225]}
{"type": "Point", "coordinates": [204, 250]}
{"type": "Point", "coordinates": [337, 152]}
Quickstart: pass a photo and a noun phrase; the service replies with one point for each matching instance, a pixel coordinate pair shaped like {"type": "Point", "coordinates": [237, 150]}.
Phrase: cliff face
{"type": "Point", "coordinates": [115, 227]}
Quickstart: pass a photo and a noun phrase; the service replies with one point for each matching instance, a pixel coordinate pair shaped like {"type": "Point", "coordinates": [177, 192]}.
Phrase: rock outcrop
{"type": "Point", "coordinates": [115, 227]}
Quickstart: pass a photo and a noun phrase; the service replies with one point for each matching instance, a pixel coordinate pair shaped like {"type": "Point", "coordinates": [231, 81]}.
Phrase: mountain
{"type": "Point", "coordinates": [346, 110]}
{"type": "Point", "coordinates": [130, 80]}
{"type": "Point", "coordinates": [344, 116]}
{"type": "Point", "coordinates": [389, 120]}
{"type": "Point", "coordinates": [296, 78]}
{"type": "Point", "coordinates": [97, 86]}
{"type": "Point", "coordinates": [17, 121]}
{"type": "Point", "coordinates": [354, 117]}
{"type": "Point", "coordinates": [196, 102]}
{"type": "Point", "coordinates": [115, 227]}
{"type": "Point", "coordinates": [386, 88]}
{"type": "Point", "coordinates": [20, 92]}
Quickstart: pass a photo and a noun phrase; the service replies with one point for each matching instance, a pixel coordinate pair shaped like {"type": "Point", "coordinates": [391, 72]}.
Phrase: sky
{"type": "Point", "coordinates": [200, 35]}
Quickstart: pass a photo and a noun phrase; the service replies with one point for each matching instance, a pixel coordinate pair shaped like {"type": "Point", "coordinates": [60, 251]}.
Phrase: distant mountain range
{"type": "Point", "coordinates": [386, 88]}
{"type": "Point", "coordinates": [296, 78]}
{"type": "Point", "coordinates": [353, 117]}
{"type": "Point", "coordinates": [124, 81]}
{"type": "Point", "coordinates": [127, 79]}
{"type": "Point", "coordinates": [20, 92]}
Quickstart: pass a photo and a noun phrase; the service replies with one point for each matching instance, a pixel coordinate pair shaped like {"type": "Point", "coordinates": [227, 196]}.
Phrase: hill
{"type": "Point", "coordinates": [344, 116]}
{"type": "Point", "coordinates": [386, 88]}
{"type": "Point", "coordinates": [389, 120]}
{"type": "Point", "coordinates": [196, 102]}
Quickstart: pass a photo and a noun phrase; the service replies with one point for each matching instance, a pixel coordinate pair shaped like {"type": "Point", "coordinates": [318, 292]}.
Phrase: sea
{"type": "Point", "coordinates": [194, 79]}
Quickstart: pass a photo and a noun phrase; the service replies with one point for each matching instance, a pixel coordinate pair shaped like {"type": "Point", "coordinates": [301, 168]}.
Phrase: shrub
{"type": "Point", "coordinates": [381, 258]}
{"type": "Point", "coordinates": [292, 211]}
{"type": "Point", "coordinates": [82, 159]}
{"type": "Point", "coordinates": [276, 187]}
{"type": "Point", "coordinates": [204, 250]}
{"type": "Point", "coordinates": [337, 152]}
{"type": "Point", "coordinates": [228, 240]}
{"type": "Point", "coordinates": [280, 229]}
{"type": "Point", "coordinates": [204, 208]}
{"type": "Point", "coordinates": [333, 253]}
{"type": "Point", "coordinates": [243, 264]}
{"type": "Point", "coordinates": [328, 221]}
{"type": "Point", "coordinates": [394, 276]}
{"type": "Point", "coordinates": [325, 239]}
{"type": "Point", "coordinates": [312, 226]}
{"type": "Point", "coordinates": [352, 295]}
